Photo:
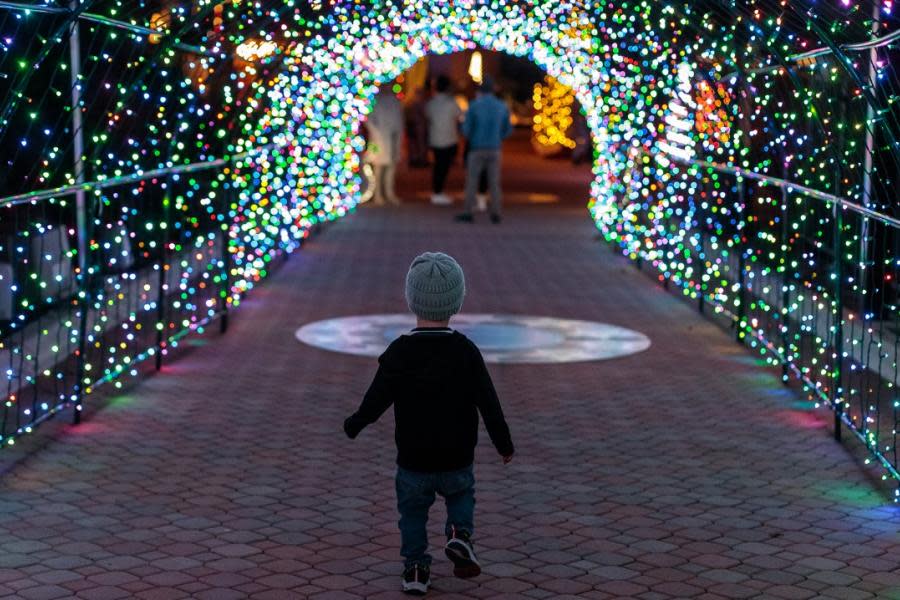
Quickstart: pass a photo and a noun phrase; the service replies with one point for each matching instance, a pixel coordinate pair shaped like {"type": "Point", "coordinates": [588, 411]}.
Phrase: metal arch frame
{"type": "Point", "coordinates": [817, 52]}
{"type": "Point", "coordinates": [69, 190]}
{"type": "Point", "coordinates": [791, 187]}
{"type": "Point", "coordinates": [95, 18]}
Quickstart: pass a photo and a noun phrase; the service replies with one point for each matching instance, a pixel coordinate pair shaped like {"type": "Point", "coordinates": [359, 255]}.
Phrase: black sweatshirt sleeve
{"type": "Point", "coordinates": [377, 400]}
{"type": "Point", "coordinates": [489, 406]}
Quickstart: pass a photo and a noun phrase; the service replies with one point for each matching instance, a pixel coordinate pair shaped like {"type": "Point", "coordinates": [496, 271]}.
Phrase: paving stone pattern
{"type": "Point", "coordinates": [686, 471]}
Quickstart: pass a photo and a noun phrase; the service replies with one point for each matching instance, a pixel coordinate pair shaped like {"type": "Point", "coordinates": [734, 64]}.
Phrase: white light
{"type": "Point", "coordinates": [476, 67]}
{"type": "Point", "coordinates": [252, 50]}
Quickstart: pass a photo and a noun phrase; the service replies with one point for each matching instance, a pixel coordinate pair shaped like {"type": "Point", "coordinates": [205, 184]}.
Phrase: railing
{"type": "Point", "coordinates": [158, 266]}
{"type": "Point", "coordinates": [821, 316]}
{"type": "Point", "coordinates": [100, 276]}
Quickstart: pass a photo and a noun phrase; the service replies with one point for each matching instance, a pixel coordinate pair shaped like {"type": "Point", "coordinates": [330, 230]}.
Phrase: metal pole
{"type": "Point", "coordinates": [838, 310]}
{"type": "Point", "coordinates": [701, 254]}
{"type": "Point", "coordinates": [81, 213]}
{"type": "Point", "coordinates": [78, 141]}
{"type": "Point", "coordinates": [742, 268]}
{"type": "Point", "coordinates": [163, 261]}
{"type": "Point", "coordinates": [869, 144]}
{"type": "Point", "coordinates": [226, 264]}
{"type": "Point", "coordinates": [793, 187]}
{"type": "Point", "coordinates": [68, 190]}
{"type": "Point", "coordinates": [815, 53]}
{"type": "Point", "coordinates": [785, 284]}
{"type": "Point", "coordinates": [837, 218]}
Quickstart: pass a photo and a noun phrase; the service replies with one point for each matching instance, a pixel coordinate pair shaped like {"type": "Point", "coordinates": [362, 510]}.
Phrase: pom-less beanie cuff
{"type": "Point", "coordinates": [435, 286]}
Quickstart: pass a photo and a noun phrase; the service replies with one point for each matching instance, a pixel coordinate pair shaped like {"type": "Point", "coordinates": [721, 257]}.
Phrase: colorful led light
{"type": "Point", "coordinates": [663, 86]}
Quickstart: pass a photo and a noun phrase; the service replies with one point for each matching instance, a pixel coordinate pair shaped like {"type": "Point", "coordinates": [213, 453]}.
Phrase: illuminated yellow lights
{"type": "Point", "coordinates": [159, 21]}
{"type": "Point", "coordinates": [253, 50]}
{"type": "Point", "coordinates": [476, 67]}
{"type": "Point", "coordinates": [554, 106]}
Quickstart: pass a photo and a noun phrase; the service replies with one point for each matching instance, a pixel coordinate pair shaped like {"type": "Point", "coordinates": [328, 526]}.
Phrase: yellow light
{"type": "Point", "coordinates": [160, 22]}
{"type": "Point", "coordinates": [553, 117]}
{"type": "Point", "coordinates": [476, 67]}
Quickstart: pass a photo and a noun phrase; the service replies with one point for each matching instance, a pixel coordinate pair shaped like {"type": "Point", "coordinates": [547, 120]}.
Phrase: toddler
{"type": "Point", "coordinates": [438, 384]}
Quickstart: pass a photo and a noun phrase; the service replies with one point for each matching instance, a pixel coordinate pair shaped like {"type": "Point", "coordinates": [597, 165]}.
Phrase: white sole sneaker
{"type": "Point", "coordinates": [465, 565]}
{"type": "Point", "coordinates": [415, 588]}
{"type": "Point", "coordinates": [441, 200]}
{"type": "Point", "coordinates": [415, 580]}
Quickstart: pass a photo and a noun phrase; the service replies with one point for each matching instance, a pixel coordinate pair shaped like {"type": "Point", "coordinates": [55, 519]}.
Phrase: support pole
{"type": "Point", "coordinates": [81, 212]}
{"type": "Point", "coordinates": [869, 152]}
{"type": "Point", "coordinates": [837, 219]}
{"type": "Point", "coordinates": [837, 391]}
{"type": "Point", "coordinates": [226, 263]}
{"type": "Point", "coordinates": [78, 141]}
{"type": "Point", "coordinates": [785, 284]}
{"type": "Point", "coordinates": [700, 257]}
{"type": "Point", "coordinates": [742, 268]}
{"type": "Point", "coordinates": [163, 262]}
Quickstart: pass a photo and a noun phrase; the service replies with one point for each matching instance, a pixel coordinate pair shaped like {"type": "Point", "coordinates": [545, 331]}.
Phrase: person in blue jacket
{"type": "Point", "coordinates": [486, 125]}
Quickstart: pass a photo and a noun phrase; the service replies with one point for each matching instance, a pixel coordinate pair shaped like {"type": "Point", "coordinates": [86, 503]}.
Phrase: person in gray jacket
{"type": "Point", "coordinates": [486, 125]}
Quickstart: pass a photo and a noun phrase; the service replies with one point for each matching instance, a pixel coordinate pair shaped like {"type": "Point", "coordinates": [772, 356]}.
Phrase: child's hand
{"type": "Point", "coordinates": [348, 429]}
{"type": "Point", "coordinates": [507, 459]}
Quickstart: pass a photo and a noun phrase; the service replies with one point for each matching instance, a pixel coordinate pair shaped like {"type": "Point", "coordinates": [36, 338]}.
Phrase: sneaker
{"type": "Point", "coordinates": [416, 579]}
{"type": "Point", "coordinates": [459, 550]}
{"type": "Point", "coordinates": [441, 200]}
{"type": "Point", "coordinates": [464, 218]}
{"type": "Point", "coordinates": [482, 202]}
{"type": "Point", "coordinates": [495, 219]}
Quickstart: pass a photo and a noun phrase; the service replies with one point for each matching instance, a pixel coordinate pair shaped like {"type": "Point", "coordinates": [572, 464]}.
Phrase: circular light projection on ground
{"type": "Point", "coordinates": [502, 338]}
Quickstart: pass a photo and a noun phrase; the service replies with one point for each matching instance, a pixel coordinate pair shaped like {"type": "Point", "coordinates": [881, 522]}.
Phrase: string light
{"type": "Point", "coordinates": [664, 87]}
{"type": "Point", "coordinates": [554, 104]}
{"type": "Point", "coordinates": [476, 67]}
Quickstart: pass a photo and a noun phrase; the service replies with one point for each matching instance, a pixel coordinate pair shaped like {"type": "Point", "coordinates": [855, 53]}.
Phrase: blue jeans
{"type": "Point", "coordinates": [415, 495]}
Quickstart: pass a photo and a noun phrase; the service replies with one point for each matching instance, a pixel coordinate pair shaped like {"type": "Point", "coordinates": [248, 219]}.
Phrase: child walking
{"type": "Point", "coordinates": [438, 383]}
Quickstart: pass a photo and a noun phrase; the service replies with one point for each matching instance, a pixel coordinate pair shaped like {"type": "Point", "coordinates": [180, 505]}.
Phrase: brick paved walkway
{"type": "Point", "coordinates": [685, 471]}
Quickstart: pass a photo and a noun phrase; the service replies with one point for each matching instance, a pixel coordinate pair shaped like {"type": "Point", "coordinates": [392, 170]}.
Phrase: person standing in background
{"type": "Point", "coordinates": [486, 125]}
{"type": "Point", "coordinates": [385, 133]}
{"type": "Point", "coordinates": [443, 114]}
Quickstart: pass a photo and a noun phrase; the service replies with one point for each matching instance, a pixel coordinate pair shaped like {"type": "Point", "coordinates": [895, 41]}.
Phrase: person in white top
{"type": "Point", "coordinates": [385, 133]}
{"type": "Point", "coordinates": [443, 115]}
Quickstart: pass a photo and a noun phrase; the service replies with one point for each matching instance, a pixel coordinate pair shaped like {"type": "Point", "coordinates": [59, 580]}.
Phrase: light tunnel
{"type": "Point", "coordinates": [745, 153]}
{"type": "Point", "coordinates": [623, 76]}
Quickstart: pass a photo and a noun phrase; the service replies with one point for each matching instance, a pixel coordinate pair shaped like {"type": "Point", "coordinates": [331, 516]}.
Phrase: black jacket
{"type": "Point", "coordinates": [438, 383]}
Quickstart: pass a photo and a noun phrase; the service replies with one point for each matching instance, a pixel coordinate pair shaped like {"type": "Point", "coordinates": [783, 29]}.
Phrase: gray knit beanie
{"type": "Point", "coordinates": [435, 286]}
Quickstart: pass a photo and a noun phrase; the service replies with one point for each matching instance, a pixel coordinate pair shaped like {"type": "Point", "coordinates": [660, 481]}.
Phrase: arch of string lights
{"type": "Point", "coordinates": [321, 99]}
{"type": "Point", "coordinates": [746, 150]}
